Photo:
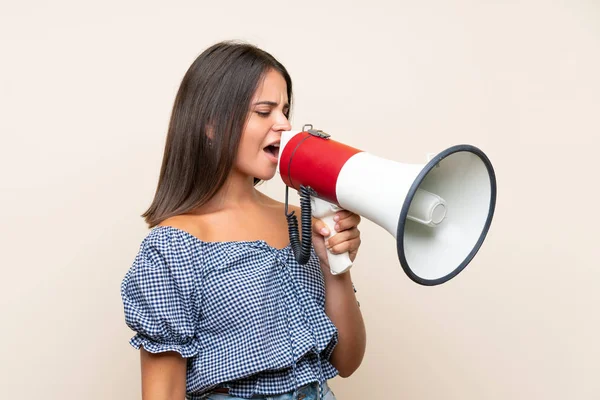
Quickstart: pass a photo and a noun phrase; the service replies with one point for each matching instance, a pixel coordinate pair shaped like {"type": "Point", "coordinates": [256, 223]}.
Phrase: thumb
{"type": "Point", "coordinates": [319, 227]}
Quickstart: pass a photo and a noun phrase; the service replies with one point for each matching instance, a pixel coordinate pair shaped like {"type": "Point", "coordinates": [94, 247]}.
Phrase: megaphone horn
{"type": "Point", "coordinates": [439, 212]}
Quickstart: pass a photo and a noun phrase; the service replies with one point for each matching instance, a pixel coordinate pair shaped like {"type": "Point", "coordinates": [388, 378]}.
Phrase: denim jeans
{"type": "Point", "coordinates": [307, 392]}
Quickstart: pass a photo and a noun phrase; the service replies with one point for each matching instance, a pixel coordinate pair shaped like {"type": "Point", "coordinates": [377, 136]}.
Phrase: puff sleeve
{"type": "Point", "coordinates": [160, 298]}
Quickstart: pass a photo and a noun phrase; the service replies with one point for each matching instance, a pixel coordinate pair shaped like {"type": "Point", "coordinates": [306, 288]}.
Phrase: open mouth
{"type": "Point", "coordinates": [273, 150]}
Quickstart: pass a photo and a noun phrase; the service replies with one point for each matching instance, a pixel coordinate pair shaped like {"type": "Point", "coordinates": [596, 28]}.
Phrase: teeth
{"type": "Point", "coordinates": [275, 145]}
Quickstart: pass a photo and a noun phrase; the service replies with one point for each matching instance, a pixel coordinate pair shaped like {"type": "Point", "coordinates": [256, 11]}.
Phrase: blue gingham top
{"type": "Point", "coordinates": [245, 314]}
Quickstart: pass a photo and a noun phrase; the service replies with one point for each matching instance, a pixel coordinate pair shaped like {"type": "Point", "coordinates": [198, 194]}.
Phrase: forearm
{"type": "Point", "coordinates": [163, 376]}
{"type": "Point", "coordinates": [342, 308]}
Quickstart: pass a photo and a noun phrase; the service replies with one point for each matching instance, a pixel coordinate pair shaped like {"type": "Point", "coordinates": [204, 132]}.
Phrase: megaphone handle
{"type": "Point", "coordinates": [325, 211]}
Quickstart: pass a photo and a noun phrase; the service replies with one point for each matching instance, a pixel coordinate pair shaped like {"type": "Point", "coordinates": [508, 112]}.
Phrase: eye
{"type": "Point", "coordinates": [263, 114]}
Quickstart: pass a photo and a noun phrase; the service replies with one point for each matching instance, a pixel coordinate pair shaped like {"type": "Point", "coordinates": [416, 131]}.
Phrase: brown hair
{"type": "Point", "coordinates": [208, 117]}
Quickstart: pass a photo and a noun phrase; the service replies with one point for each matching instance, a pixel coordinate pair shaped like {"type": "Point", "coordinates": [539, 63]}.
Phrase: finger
{"type": "Point", "coordinates": [342, 214]}
{"type": "Point", "coordinates": [347, 246]}
{"type": "Point", "coordinates": [345, 214]}
{"type": "Point", "coordinates": [341, 237]}
{"type": "Point", "coordinates": [320, 228]}
{"type": "Point", "coordinates": [348, 223]}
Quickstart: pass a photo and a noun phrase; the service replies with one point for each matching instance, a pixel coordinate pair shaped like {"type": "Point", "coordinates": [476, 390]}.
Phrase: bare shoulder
{"type": "Point", "coordinates": [278, 209]}
{"type": "Point", "coordinates": [278, 206]}
{"type": "Point", "coordinates": [177, 221]}
{"type": "Point", "coordinates": [192, 224]}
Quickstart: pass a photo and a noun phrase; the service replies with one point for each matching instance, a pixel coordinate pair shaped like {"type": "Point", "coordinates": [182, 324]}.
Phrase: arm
{"type": "Point", "coordinates": [158, 295]}
{"type": "Point", "coordinates": [342, 308]}
{"type": "Point", "coordinates": [340, 301]}
{"type": "Point", "coordinates": [163, 375]}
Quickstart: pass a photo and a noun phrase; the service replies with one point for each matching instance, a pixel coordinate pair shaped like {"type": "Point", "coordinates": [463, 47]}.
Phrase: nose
{"type": "Point", "coordinates": [282, 124]}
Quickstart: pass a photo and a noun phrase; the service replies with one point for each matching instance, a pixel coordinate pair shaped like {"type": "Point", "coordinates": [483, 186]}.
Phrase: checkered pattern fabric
{"type": "Point", "coordinates": [246, 315]}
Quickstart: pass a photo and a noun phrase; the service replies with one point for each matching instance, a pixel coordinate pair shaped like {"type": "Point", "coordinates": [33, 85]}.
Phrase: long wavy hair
{"type": "Point", "coordinates": [209, 115]}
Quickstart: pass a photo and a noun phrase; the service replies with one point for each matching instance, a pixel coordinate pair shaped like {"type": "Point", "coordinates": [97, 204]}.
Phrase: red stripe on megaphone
{"type": "Point", "coordinates": [314, 161]}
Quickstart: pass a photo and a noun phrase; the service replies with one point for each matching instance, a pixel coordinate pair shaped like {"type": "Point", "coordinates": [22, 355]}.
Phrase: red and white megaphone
{"type": "Point", "coordinates": [439, 212]}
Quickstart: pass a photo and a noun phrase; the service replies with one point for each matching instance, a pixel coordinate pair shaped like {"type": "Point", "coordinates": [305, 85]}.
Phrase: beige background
{"type": "Point", "coordinates": [85, 95]}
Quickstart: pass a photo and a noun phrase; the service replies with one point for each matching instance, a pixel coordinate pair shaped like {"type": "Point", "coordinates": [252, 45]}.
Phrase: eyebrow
{"type": "Point", "coordinates": [270, 103]}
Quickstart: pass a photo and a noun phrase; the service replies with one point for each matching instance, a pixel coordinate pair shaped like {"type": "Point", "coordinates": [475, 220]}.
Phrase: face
{"type": "Point", "coordinates": [259, 147]}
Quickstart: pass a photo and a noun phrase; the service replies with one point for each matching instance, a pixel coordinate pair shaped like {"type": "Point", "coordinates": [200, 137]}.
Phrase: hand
{"type": "Point", "coordinates": [346, 240]}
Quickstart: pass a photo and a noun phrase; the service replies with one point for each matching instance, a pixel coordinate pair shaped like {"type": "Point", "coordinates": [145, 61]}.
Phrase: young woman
{"type": "Point", "coordinates": [220, 306]}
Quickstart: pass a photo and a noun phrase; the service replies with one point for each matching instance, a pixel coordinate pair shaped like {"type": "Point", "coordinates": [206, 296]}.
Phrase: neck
{"type": "Point", "coordinates": [237, 192]}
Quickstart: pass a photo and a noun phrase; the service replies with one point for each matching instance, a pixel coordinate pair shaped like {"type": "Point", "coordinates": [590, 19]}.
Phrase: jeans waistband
{"type": "Point", "coordinates": [310, 391]}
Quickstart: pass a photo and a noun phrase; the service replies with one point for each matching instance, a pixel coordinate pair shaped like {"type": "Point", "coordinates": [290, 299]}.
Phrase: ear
{"type": "Point", "coordinates": [210, 132]}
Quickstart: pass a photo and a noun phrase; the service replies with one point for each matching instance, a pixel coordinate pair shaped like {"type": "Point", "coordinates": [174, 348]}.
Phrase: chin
{"type": "Point", "coordinates": [265, 175]}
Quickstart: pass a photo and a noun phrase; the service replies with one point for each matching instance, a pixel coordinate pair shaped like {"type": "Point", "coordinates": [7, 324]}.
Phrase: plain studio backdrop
{"type": "Point", "coordinates": [86, 91]}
